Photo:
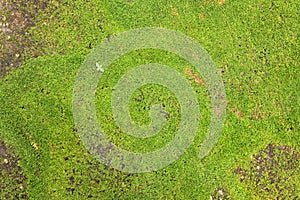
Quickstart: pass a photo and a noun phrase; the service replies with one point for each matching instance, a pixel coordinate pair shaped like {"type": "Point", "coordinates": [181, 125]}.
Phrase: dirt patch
{"type": "Point", "coordinates": [17, 16]}
{"type": "Point", "coordinates": [13, 182]}
{"type": "Point", "coordinates": [194, 76]}
{"type": "Point", "coordinates": [273, 172]}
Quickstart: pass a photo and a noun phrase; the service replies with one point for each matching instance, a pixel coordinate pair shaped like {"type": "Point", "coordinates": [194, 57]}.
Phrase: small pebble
{"type": "Point", "coordinates": [220, 192]}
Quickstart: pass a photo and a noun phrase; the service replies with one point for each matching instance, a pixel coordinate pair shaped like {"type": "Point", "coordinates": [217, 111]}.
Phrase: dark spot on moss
{"type": "Point", "coordinates": [71, 190]}
{"type": "Point", "coordinates": [72, 179]}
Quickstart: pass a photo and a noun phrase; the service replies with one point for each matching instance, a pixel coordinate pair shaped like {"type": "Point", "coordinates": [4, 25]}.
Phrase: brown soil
{"type": "Point", "coordinates": [273, 172]}
{"type": "Point", "coordinates": [195, 77]}
{"type": "Point", "coordinates": [13, 182]}
{"type": "Point", "coordinates": [17, 16]}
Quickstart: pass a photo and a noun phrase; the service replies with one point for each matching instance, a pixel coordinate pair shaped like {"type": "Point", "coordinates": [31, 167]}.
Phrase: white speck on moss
{"type": "Point", "coordinates": [99, 67]}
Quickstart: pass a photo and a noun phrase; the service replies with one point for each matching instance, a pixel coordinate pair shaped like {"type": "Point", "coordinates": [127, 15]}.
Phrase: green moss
{"type": "Point", "coordinates": [254, 45]}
